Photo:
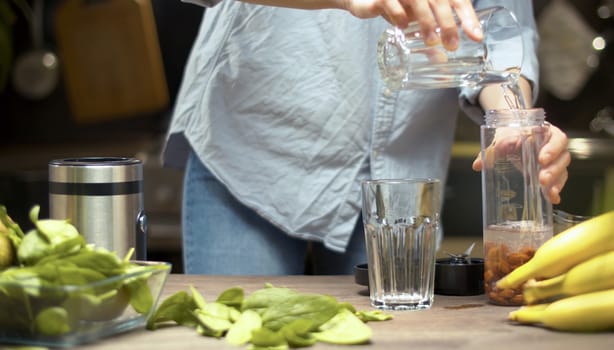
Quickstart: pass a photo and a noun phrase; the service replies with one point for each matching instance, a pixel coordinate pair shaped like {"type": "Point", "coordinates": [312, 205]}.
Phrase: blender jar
{"type": "Point", "coordinates": [517, 218]}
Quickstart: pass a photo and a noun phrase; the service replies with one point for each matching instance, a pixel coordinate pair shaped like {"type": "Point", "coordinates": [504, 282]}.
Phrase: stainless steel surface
{"type": "Point", "coordinates": [88, 170]}
{"type": "Point", "coordinates": [103, 197]}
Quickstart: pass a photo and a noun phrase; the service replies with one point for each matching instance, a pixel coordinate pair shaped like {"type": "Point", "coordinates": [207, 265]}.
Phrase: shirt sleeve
{"type": "Point", "coordinates": [205, 3]}
{"type": "Point", "coordinates": [523, 10]}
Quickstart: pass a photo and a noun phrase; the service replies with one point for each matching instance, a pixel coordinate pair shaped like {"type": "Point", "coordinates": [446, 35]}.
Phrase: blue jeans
{"type": "Point", "coordinates": [222, 236]}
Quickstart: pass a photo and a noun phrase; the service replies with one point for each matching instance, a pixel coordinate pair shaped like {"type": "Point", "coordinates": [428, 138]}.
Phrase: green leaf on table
{"type": "Point", "coordinates": [297, 333]}
{"type": "Point", "coordinates": [344, 328]}
{"type": "Point", "coordinates": [218, 310]}
{"type": "Point", "coordinates": [273, 318]}
{"type": "Point", "coordinates": [241, 331]}
{"type": "Point", "coordinates": [178, 308]}
{"type": "Point", "coordinates": [315, 307]}
{"type": "Point", "coordinates": [261, 299]}
{"type": "Point", "coordinates": [266, 338]}
{"type": "Point", "coordinates": [373, 315]}
{"type": "Point", "coordinates": [214, 319]}
{"type": "Point", "coordinates": [280, 347]}
{"type": "Point", "coordinates": [198, 298]}
{"type": "Point", "coordinates": [232, 297]}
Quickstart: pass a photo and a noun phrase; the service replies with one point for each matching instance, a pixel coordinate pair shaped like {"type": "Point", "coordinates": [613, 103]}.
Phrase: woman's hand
{"type": "Point", "coordinates": [430, 15]}
{"type": "Point", "coordinates": [553, 157]}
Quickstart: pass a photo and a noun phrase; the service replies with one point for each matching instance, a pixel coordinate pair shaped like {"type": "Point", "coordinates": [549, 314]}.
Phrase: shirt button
{"type": "Point", "coordinates": [387, 92]}
{"type": "Point", "coordinates": [374, 154]}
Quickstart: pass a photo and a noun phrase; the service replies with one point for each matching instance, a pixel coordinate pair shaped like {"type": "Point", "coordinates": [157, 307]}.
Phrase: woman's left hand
{"type": "Point", "coordinates": [554, 159]}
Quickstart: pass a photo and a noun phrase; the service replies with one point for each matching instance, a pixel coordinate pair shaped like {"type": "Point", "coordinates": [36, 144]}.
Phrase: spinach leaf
{"type": "Point", "coordinates": [344, 328]}
{"type": "Point", "coordinates": [373, 315]}
{"type": "Point", "coordinates": [178, 308]}
{"type": "Point", "coordinates": [197, 298]}
{"type": "Point", "coordinates": [315, 307]}
{"type": "Point", "coordinates": [52, 256]}
{"type": "Point", "coordinates": [261, 299]}
{"type": "Point", "coordinates": [90, 307]}
{"type": "Point", "coordinates": [52, 321]}
{"type": "Point", "coordinates": [231, 297]}
{"type": "Point", "coordinates": [271, 318]}
{"type": "Point", "coordinates": [141, 298]}
{"type": "Point", "coordinates": [297, 333]}
{"type": "Point", "coordinates": [266, 338]}
{"type": "Point", "coordinates": [214, 319]}
{"type": "Point", "coordinates": [49, 237]}
{"type": "Point", "coordinates": [240, 332]}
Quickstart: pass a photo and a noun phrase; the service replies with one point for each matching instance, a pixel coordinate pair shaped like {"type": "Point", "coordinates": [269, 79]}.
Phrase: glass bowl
{"type": "Point", "coordinates": [68, 315]}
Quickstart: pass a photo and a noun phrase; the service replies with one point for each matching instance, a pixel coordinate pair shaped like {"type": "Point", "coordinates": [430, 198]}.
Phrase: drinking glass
{"type": "Point", "coordinates": [401, 221]}
{"type": "Point", "coordinates": [406, 62]}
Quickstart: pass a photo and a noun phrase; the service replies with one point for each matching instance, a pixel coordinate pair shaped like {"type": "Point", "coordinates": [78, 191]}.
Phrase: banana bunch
{"type": "Point", "coordinates": [594, 274]}
{"type": "Point", "coordinates": [569, 283]}
{"type": "Point", "coordinates": [590, 312]}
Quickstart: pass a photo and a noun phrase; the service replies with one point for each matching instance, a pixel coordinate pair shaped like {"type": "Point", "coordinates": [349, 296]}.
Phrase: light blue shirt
{"type": "Point", "coordinates": [287, 109]}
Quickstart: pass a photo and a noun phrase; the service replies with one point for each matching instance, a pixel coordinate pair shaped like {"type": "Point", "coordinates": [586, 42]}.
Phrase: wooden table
{"type": "Point", "coordinates": [452, 323]}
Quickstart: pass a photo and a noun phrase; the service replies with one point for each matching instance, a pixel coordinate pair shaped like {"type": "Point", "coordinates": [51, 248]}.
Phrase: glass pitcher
{"type": "Point", "coordinates": [405, 62]}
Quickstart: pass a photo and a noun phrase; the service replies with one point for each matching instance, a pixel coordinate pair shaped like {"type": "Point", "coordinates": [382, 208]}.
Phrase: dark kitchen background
{"type": "Point", "coordinates": [132, 53]}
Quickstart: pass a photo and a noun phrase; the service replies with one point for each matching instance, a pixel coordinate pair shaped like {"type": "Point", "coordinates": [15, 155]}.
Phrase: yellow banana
{"type": "Point", "coordinates": [596, 273]}
{"type": "Point", "coordinates": [565, 250]}
{"type": "Point", "coordinates": [590, 312]}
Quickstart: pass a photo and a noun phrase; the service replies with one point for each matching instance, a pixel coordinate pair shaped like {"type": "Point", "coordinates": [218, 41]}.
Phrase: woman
{"type": "Point", "coordinates": [282, 113]}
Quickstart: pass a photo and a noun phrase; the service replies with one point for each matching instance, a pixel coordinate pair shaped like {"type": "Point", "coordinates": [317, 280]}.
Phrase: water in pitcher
{"type": "Point", "coordinates": [451, 73]}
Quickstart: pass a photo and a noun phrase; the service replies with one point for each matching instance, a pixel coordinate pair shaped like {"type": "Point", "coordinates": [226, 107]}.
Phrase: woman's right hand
{"type": "Point", "coordinates": [430, 15]}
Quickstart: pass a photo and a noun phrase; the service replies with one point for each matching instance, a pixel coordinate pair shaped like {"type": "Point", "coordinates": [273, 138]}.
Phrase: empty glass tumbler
{"type": "Point", "coordinates": [517, 216]}
{"type": "Point", "coordinates": [401, 221]}
{"type": "Point", "coordinates": [405, 62]}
